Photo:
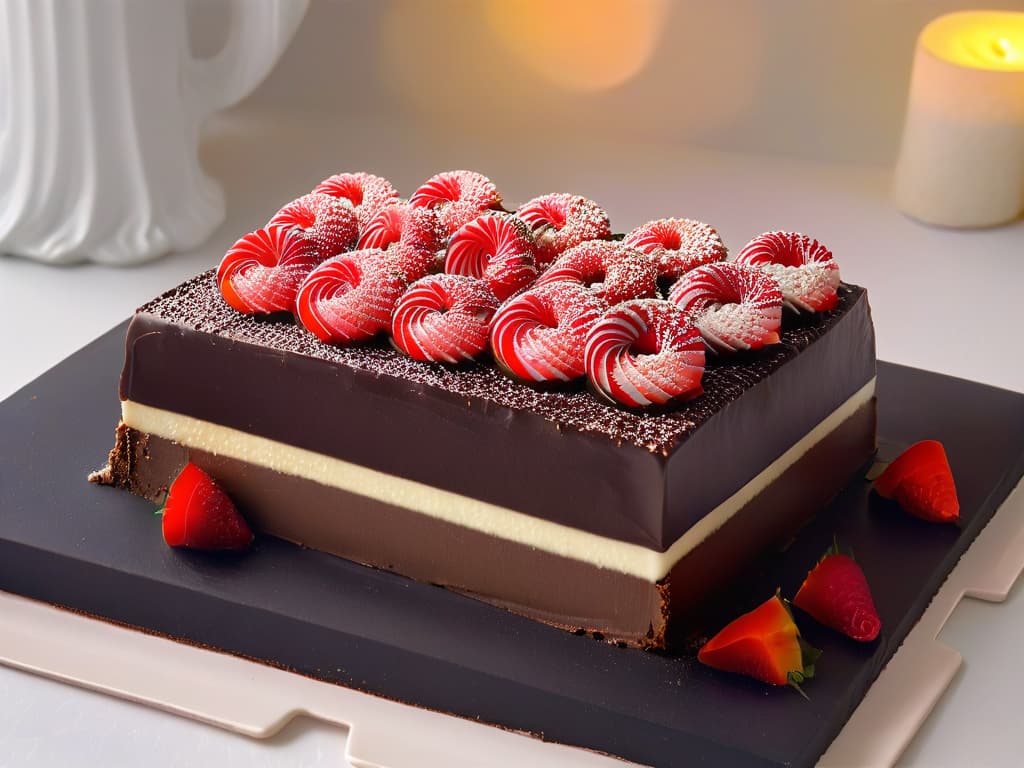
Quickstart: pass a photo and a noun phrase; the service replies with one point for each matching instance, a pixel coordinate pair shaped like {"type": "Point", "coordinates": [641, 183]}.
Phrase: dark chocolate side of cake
{"type": "Point", "coordinates": [556, 590]}
{"type": "Point", "coordinates": [563, 456]}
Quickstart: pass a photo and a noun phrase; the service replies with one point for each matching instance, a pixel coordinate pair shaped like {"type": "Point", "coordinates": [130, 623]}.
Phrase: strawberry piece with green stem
{"type": "Point", "coordinates": [764, 644]}
{"type": "Point", "coordinates": [198, 514]}
{"type": "Point", "coordinates": [921, 481]}
{"type": "Point", "coordinates": [836, 593]}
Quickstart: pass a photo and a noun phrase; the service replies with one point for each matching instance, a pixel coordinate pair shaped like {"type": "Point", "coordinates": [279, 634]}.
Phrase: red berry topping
{"type": "Point", "coordinates": [806, 270]}
{"type": "Point", "coordinates": [560, 221]}
{"type": "Point", "coordinates": [837, 594]}
{"type": "Point", "coordinates": [678, 245]}
{"type": "Point", "coordinates": [734, 307]}
{"type": "Point", "coordinates": [613, 271]}
{"type": "Point", "coordinates": [444, 318]}
{"type": "Point", "coordinates": [457, 196]}
{"type": "Point", "coordinates": [645, 352]}
{"type": "Point", "coordinates": [402, 224]}
{"type": "Point", "coordinates": [763, 644]}
{"type": "Point", "coordinates": [921, 481]}
{"type": "Point", "coordinates": [367, 193]}
{"type": "Point", "coordinates": [261, 273]}
{"type": "Point", "coordinates": [497, 248]}
{"type": "Point", "coordinates": [199, 515]}
{"type": "Point", "coordinates": [539, 335]}
{"type": "Point", "coordinates": [328, 222]}
{"type": "Point", "coordinates": [350, 297]}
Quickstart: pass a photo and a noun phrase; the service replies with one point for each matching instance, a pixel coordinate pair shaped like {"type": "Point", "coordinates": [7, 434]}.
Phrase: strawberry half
{"type": "Point", "coordinates": [199, 515]}
{"type": "Point", "coordinates": [921, 481]}
{"type": "Point", "coordinates": [836, 593]}
{"type": "Point", "coordinates": [764, 644]}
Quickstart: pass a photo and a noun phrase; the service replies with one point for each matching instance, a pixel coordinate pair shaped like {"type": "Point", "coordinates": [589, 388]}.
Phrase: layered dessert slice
{"type": "Point", "coordinates": [547, 502]}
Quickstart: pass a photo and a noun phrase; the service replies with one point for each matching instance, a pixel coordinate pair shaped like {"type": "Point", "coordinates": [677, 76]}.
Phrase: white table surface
{"type": "Point", "coordinates": [946, 301]}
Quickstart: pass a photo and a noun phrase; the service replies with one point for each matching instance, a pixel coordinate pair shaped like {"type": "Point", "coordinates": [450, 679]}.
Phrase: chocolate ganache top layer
{"type": "Point", "coordinates": [561, 455]}
{"type": "Point", "coordinates": [197, 304]}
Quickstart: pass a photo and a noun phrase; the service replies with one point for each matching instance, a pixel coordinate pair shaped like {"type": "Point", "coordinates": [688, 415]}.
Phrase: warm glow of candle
{"type": "Point", "coordinates": [585, 45]}
{"type": "Point", "coordinates": [992, 40]}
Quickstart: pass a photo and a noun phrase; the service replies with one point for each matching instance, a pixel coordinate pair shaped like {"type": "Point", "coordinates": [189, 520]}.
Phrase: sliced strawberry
{"type": "Point", "coordinates": [199, 515]}
{"type": "Point", "coordinates": [921, 481]}
{"type": "Point", "coordinates": [764, 644]}
{"type": "Point", "coordinates": [837, 594]}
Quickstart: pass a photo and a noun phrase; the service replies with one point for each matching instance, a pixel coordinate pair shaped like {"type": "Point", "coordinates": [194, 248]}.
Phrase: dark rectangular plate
{"type": "Point", "coordinates": [99, 551]}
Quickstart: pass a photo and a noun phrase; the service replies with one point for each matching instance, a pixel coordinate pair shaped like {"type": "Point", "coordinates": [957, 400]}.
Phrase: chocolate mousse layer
{"type": "Point", "coordinates": [562, 456]}
{"type": "Point", "coordinates": [557, 590]}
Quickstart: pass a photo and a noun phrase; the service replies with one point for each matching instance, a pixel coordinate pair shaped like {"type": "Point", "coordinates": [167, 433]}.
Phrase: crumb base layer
{"type": "Point", "coordinates": [99, 551]}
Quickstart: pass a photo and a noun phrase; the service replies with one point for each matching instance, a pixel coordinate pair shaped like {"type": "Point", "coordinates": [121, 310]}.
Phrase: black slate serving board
{"type": "Point", "coordinates": [99, 551]}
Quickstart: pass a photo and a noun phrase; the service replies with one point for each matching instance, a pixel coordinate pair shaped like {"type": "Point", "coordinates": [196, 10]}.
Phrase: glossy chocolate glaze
{"type": "Point", "coordinates": [556, 590]}
{"type": "Point", "coordinates": [559, 455]}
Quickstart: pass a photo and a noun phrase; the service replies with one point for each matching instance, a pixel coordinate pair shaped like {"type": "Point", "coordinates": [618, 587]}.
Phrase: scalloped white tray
{"type": "Point", "coordinates": [257, 700]}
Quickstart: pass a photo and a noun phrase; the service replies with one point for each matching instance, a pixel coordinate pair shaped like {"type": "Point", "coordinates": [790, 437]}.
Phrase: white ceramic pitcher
{"type": "Point", "coordinates": [101, 103]}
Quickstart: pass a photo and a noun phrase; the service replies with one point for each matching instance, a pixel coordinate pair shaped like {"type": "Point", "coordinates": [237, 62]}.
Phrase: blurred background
{"type": "Point", "coordinates": [801, 78]}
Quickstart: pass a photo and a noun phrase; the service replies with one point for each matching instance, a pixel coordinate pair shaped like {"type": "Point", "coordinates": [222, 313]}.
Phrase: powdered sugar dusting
{"type": "Point", "coordinates": [198, 305]}
{"type": "Point", "coordinates": [806, 270]}
{"type": "Point", "coordinates": [678, 245]}
{"type": "Point", "coordinates": [560, 220]}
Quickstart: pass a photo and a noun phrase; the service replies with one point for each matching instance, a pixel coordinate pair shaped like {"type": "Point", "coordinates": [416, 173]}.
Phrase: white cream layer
{"type": "Point", "coordinates": [631, 559]}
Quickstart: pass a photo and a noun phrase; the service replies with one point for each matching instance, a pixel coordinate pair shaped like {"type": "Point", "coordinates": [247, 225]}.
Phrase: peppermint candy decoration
{"type": "Point", "coordinates": [734, 307]}
{"type": "Point", "coordinates": [328, 222]}
{"type": "Point", "coordinates": [807, 272]}
{"type": "Point", "coordinates": [497, 248]}
{"type": "Point", "coordinates": [261, 273]}
{"type": "Point", "coordinates": [677, 245]}
{"type": "Point", "coordinates": [645, 352]}
{"type": "Point", "coordinates": [457, 196]}
{"type": "Point", "coordinates": [405, 225]}
{"type": "Point", "coordinates": [560, 221]}
{"type": "Point", "coordinates": [349, 298]}
{"type": "Point", "coordinates": [444, 318]}
{"type": "Point", "coordinates": [613, 271]}
{"type": "Point", "coordinates": [368, 194]}
{"type": "Point", "coordinates": [539, 335]}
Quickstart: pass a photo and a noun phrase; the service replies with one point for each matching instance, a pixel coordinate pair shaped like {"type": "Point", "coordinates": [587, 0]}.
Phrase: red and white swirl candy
{"type": "Point", "coordinates": [539, 335]}
{"type": "Point", "coordinates": [404, 224]}
{"type": "Point", "coordinates": [410, 235]}
{"type": "Point", "coordinates": [645, 352]}
{"type": "Point", "coordinates": [613, 271]}
{"type": "Point", "coordinates": [560, 221]}
{"type": "Point", "coordinates": [328, 222]}
{"type": "Point", "coordinates": [444, 318]}
{"type": "Point", "coordinates": [734, 307]}
{"type": "Point", "coordinates": [368, 194]}
{"type": "Point", "coordinates": [349, 298]}
{"type": "Point", "coordinates": [806, 270]}
{"type": "Point", "coordinates": [677, 245]}
{"type": "Point", "coordinates": [261, 273]}
{"type": "Point", "coordinates": [497, 248]}
{"type": "Point", "coordinates": [457, 196]}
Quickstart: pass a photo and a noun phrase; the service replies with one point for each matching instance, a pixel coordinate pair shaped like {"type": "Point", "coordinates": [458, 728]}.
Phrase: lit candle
{"type": "Point", "coordinates": [962, 159]}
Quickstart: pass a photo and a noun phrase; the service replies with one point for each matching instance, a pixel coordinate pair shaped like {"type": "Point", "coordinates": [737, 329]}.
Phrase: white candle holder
{"type": "Point", "coordinates": [961, 163]}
